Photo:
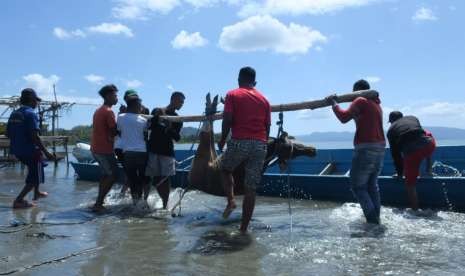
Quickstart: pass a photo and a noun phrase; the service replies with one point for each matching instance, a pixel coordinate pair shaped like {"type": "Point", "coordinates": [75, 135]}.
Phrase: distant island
{"type": "Point", "coordinates": [440, 133]}
{"type": "Point", "coordinates": [82, 133]}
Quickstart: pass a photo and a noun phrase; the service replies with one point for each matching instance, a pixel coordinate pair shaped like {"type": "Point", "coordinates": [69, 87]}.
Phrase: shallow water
{"type": "Point", "coordinates": [327, 238]}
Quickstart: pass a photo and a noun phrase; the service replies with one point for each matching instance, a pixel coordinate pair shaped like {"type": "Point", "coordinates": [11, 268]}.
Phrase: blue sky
{"type": "Point", "coordinates": [412, 52]}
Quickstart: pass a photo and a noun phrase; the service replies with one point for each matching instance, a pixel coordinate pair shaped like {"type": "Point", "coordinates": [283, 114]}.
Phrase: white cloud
{"type": "Point", "coordinates": [111, 29]}
{"type": "Point", "coordinates": [299, 7]}
{"type": "Point", "coordinates": [95, 79]}
{"type": "Point", "coordinates": [170, 87]}
{"type": "Point", "coordinates": [63, 34]}
{"type": "Point", "coordinates": [260, 33]}
{"type": "Point", "coordinates": [43, 85]}
{"type": "Point", "coordinates": [433, 113]}
{"type": "Point", "coordinates": [133, 83]}
{"type": "Point", "coordinates": [424, 14]}
{"type": "Point", "coordinates": [373, 79]}
{"type": "Point", "coordinates": [104, 28]}
{"type": "Point", "coordinates": [316, 114]}
{"type": "Point", "coordinates": [186, 40]}
{"type": "Point", "coordinates": [202, 3]}
{"type": "Point", "coordinates": [138, 9]}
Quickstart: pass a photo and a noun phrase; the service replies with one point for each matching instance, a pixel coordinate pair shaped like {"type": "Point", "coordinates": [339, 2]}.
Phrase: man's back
{"type": "Point", "coordinates": [103, 124]}
{"type": "Point", "coordinates": [407, 134]}
{"type": "Point", "coordinates": [251, 114]}
{"type": "Point", "coordinates": [132, 129]}
{"type": "Point", "coordinates": [403, 126]}
{"type": "Point", "coordinates": [368, 117]}
{"type": "Point", "coordinates": [21, 124]}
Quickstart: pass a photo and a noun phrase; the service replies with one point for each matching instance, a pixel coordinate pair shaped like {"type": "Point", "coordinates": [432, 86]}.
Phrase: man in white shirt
{"type": "Point", "coordinates": [132, 129]}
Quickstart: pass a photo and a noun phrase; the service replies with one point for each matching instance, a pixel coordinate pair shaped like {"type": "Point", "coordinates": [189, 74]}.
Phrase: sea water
{"type": "Point", "coordinates": [327, 238]}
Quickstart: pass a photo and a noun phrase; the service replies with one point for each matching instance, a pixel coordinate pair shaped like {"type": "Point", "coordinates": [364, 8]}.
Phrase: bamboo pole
{"type": "Point", "coordinates": [348, 97]}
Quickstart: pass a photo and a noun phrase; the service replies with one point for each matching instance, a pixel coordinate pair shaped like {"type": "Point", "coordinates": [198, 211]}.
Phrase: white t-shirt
{"type": "Point", "coordinates": [131, 128]}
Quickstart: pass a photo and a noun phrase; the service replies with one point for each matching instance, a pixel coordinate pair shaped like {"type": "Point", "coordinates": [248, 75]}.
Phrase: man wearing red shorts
{"type": "Point", "coordinates": [410, 144]}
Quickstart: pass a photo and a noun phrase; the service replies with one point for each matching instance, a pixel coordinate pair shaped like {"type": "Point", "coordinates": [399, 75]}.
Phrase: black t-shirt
{"type": "Point", "coordinates": [405, 136]}
{"type": "Point", "coordinates": [163, 133]}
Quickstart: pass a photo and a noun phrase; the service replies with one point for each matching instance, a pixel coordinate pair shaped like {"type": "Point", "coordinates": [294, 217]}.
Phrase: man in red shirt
{"type": "Point", "coordinates": [247, 114]}
{"type": "Point", "coordinates": [369, 144]}
{"type": "Point", "coordinates": [103, 135]}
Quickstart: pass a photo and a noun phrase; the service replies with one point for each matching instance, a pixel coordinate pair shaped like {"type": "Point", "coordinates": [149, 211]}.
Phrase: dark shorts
{"type": "Point", "coordinates": [413, 160]}
{"type": "Point", "coordinates": [134, 167]}
{"type": "Point", "coordinates": [35, 169]}
{"type": "Point", "coordinates": [107, 163]}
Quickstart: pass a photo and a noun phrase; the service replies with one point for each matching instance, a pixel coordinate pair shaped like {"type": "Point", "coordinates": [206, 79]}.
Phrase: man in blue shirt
{"type": "Point", "coordinates": [23, 131]}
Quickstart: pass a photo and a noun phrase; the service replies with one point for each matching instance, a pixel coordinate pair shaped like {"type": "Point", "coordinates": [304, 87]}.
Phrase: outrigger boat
{"type": "Point", "coordinates": [326, 177]}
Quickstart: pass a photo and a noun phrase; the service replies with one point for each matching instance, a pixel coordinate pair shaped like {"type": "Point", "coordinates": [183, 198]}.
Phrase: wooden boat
{"type": "Point", "coordinates": [326, 177]}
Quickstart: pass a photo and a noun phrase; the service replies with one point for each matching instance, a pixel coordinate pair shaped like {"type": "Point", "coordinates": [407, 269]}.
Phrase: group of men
{"type": "Point", "coordinates": [145, 147]}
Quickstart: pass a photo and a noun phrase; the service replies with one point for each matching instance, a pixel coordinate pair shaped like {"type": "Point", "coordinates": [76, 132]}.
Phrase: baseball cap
{"type": "Point", "coordinates": [30, 93]}
{"type": "Point", "coordinates": [130, 93]}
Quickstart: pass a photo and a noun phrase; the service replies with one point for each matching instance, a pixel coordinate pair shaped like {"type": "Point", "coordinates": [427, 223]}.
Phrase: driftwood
{"type": "Point", "coordinates": [349, 97]}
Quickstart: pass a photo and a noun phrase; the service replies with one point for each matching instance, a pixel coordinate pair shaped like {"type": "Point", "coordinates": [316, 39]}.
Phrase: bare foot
{"type": "Point", "coordinates": [40, 195]}
{"type": "Point", "coordinates": [98, 208]}
{"type": "Point", "coordinates": [228, 210]}
{"type": "Point", "coordinates": [23, 204]}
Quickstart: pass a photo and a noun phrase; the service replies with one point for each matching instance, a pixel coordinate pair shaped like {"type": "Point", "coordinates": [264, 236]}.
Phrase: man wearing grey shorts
{"type": "Point", "coordinates": [161, 162]}
{"type": "Point", "coordinates": [247, 114]}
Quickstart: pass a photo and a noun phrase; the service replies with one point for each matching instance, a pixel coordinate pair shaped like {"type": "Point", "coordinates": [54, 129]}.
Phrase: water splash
{"type": "Point", "coordinates": [441, 169]}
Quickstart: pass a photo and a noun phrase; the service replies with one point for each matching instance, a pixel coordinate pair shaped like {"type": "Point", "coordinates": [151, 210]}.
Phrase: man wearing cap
{"type": "Point", "coordinates": [132, 129]}
{"type": "Point", "coordinates": [103, 134]}
{"type": "Point", "coordinates": [369, 145]}
{"type": "Point", "coordinates": [410, 144]}
{"type": "Point", "coordinates": [161, 162]}
{"type": "Point", "coordinates": [25, 143]}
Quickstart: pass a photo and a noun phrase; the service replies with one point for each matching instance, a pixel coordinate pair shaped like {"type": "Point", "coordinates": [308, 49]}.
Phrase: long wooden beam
{"type": "Point", "coordinates": [348, 97]}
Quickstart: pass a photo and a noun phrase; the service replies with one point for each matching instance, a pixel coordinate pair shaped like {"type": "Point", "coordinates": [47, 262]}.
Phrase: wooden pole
{"type": "Point", "coordinates": [349, 97]}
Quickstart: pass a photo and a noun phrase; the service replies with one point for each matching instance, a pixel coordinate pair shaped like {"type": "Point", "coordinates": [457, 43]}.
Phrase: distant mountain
{"type": "Point", "coordinates": [440, 133]}
{"type": "Point", "coordinates": [333, 136]}
{"type": "Point", "coordinates": [188, 131]}
{"type": "Point", "coordinates": [447, 133]}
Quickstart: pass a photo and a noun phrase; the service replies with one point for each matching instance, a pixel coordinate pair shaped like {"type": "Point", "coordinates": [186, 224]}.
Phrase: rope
{"type": "Point", "coordinates": [52, 261]}
{"type": "Point", "coordinates": [184, 190]}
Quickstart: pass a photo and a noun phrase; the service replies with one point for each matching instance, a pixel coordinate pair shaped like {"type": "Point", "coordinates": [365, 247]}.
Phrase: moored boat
{"type": "Point", "coordinates": [326, 177]}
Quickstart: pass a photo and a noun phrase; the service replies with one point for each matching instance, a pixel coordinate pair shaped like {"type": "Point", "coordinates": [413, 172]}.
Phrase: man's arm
{"type": "Point", "coordinates": [174, 131]}
{"type": "Point", "coordinates": [345, 116]}
{"type": "Point", "coordinates": [32, 124]}
{"type": "Point", "coordinates": [111, 123]}
{"type": "Point", "coordinates": [225, 128]}
{"type": "Point", "coordinates": [38, 142]}
{"type": "Point", "coordinates": [396, 155]}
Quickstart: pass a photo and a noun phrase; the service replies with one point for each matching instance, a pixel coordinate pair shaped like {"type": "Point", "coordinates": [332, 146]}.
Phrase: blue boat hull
{"type": "Point", "coordinates": [306, 183]}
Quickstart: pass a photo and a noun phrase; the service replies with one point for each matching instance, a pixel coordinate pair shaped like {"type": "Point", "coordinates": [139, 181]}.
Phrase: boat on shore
{"type": "Point", "coordinates": [326, 177]}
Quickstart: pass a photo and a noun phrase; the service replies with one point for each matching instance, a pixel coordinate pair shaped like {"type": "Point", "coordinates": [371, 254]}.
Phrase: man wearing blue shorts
{"type": "Point", "coordinates": [23, 131]}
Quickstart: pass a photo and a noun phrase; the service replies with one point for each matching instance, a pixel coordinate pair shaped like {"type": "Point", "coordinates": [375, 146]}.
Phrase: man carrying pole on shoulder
{"type": "Point", "coordinates": [369, 146]}
{"type": "Point", "coordinates": [103, 136]}
{"type": "Point", "coordinates": [247, 114]}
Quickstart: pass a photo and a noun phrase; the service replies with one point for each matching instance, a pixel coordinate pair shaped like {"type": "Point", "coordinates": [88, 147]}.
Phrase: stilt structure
{"type": "Point", "coordinates": [47, 111]}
